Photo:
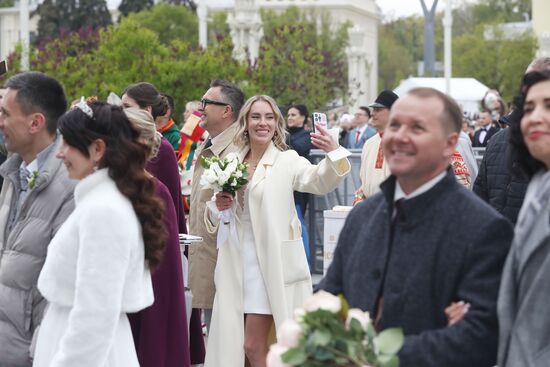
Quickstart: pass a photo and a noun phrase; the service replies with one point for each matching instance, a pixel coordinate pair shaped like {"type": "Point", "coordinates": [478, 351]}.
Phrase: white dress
{"type": "Point", "coordinates": [94, 274]}
{"type": "Point", "coordinates": [255, 296]}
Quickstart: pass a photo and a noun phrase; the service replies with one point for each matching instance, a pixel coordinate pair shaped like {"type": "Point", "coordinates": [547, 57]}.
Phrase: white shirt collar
{"type": "Point", "coordinates": [400, 194]}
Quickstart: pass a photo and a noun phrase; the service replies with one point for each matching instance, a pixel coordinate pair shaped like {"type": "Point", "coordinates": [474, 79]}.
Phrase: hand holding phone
{"type": "Point", "coordinates": [319, 119]}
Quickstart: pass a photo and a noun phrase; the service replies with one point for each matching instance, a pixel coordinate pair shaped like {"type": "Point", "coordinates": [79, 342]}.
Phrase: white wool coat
{"type": "Point", "coordinates": [279, 247]}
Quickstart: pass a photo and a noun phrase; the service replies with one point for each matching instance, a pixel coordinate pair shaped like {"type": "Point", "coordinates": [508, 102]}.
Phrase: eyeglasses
{"type": "Point", "coordinates": [205, 102]}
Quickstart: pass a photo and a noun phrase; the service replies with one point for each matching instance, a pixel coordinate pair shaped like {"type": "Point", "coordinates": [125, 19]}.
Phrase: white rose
{"type": "Point", "coordinates": [231, 156]}
{"type": "Point", "coordinates": [274, 356]}
{"type": "Point", "coordinates": [211, 177]}
{"type": "Point", "coordinates": [289, 334]}
{"type": "Point", "coordinates": [238, 174]}
{"type": "Point", "coordinates": [357, 314]}
{"type": "Point", "coordinates": [232, 166]}
{"type": "Point", "coordinates": [299, 314]}
{"type": "Point", "coordinates": [222, 178]}
{"type": "Point", "coordinates": [323, 301]}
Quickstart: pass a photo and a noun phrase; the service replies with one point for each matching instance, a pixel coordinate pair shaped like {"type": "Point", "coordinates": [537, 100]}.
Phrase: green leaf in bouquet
{"type": "Point", "coordinates": [204, 162]}
{"type": "Point", "coordinates": [321, 337]}
{"type": "Point", "coordinates": [344, 307]}
{"type": "Point", "coordinates": [294, 356]}
{"type": "Point", "coordinates": [390, 341]}
{"type": "Point", "coordinates": [388, 361]}
{"type": "Point", "coordinates": [356, 329]}
{"type": "Point", "coordinates": [323, 354]}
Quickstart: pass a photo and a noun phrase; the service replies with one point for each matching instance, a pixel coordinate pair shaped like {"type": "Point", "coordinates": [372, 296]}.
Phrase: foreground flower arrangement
{"type": "Point", "coordinates": [223, 174]}
{"type": "Point", "coordinates": [326, 333]}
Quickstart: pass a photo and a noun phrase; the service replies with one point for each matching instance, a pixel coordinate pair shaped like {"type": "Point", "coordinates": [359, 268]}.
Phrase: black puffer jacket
{"type": "Point", "coordinates": [495, 184]}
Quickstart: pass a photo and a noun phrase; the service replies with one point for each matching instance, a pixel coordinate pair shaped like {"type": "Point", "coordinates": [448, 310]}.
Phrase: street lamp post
{"type": "Point", "coordinates": [448, 26]}
{"type": "Point", "coordinates": [24, 33]}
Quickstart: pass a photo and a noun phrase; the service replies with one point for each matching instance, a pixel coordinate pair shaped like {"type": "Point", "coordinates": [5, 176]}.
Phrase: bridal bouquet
{"type": "Point", "coordinates": [327, 333]}
{"type": "Point", "coordinates": [223, 174]}
{"type": "Point", "coordinates": [228, 175]}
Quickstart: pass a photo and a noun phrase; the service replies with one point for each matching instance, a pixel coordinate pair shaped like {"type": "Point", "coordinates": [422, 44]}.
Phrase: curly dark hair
{"type": "Point", "coordinates": [125, 158]}
{"type": "Point", "coordinates": [146, 95]}
{"type": "Point", "coordinates": [528, 164]}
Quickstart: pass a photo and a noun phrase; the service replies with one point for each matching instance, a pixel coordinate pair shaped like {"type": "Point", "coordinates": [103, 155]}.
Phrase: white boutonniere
{"type": "Point", "coordinates": [31, 183]}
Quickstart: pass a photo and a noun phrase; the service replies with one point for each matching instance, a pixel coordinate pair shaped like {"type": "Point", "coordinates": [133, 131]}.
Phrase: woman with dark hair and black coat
{"type": "Point", "coordinates": [525, 286]}
{"type": "Point", "coordinates": [98, 264]}
{"type": "Point", "coordinates": [299, 140]}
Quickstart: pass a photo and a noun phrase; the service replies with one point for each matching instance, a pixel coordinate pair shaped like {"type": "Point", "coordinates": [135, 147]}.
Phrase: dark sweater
{"type": "Point", "coordinates": [300, 141]}
{"type": "Point", "coordinates": [494, 183]}
{"type": "Point", "coordinates": [447, 246]}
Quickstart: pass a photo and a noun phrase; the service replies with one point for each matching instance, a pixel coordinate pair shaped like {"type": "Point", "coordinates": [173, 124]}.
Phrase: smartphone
{"type": "Point", "coordinates": [319, 119]}
{"type": "Point", "coordinates": [3, 67]}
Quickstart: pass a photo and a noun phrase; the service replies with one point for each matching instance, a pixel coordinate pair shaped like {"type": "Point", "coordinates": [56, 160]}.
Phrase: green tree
{"type": "Point", "coordinates": [6, 3]}
{"type": "Point", "coordinates": [188, 3]}
{"type": "Point", "coordinates": [57, 16]}
{"type": "Point", "coordinates": [134, 6]}
{"type": "Point", "coordinates": [169, 22]}
{"type": "Point", "coordinates": [499, 63]}
{"type": "Point", "coordinates": [299, 61]}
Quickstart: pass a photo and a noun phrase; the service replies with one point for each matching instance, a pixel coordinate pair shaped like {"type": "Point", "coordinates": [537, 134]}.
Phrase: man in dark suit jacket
{"type": "Point", "coordinates": [423, 243]}
{"type": "Point", "coordinates": [487, 130]}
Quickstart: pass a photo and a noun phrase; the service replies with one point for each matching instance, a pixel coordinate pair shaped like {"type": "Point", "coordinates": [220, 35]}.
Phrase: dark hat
{"type": "Point", "coordinates": [384, 100]}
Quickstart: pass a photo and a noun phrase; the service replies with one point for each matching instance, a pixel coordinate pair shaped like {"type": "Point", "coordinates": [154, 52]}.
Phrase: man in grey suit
{"type": "Point", "coordinates": [36, 198]}
{"type": "Point", "coordinates": [423, 243]}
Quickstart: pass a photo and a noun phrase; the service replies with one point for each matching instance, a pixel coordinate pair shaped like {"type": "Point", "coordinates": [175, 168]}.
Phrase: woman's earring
{"type": "Point", "coordinates": [246, 134]}
{"type": "Point", "coordinates": [96, 166]}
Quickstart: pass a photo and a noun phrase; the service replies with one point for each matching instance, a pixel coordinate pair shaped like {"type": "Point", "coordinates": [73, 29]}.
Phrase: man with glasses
{"type": "Point", "coordinates": [361, 130]}
{"type": "Point", "coordinates": [220, 107]}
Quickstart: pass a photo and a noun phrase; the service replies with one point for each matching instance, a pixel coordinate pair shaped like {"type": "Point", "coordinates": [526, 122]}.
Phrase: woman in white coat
{"type": "Point", "coordinates": [261, 279]}
{"type": "Point", "coordinates": [98, 264]}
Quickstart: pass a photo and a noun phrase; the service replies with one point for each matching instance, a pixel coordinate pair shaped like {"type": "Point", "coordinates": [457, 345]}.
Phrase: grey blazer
{"type": "Point", "coordinates": [524, 321]}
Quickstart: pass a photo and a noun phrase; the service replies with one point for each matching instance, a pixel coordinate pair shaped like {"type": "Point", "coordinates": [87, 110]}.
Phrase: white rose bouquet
{"type": "Point", "coordinates": [223, 174]}
{"type": "Point", "coordinates": [326, 333]}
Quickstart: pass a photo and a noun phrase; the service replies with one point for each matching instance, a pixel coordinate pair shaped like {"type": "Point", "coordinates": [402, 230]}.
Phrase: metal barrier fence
{"type": "Point", "coordinates": [343, 195]}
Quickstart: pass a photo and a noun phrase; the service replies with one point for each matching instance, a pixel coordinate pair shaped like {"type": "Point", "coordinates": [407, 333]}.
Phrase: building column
{"type": "Point", "coordinates": [246, 30]}
{"type": "Point", "coordinates": [358, 70]}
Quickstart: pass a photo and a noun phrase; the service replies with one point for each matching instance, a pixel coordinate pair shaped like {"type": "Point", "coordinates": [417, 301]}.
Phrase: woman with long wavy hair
{"type": "Point", "coordinates": [99, 262]}
{"type": "Point", "coordinates": [265, 275]}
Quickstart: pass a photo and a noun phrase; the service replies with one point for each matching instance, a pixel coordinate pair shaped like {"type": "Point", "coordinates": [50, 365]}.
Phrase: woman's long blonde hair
{"type": "Point", "coordinates": [279, 139]}
{"type": "Point", "coordinates": [143, 122]}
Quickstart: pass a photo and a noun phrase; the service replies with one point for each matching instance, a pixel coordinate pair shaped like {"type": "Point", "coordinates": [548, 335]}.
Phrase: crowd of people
{"type": "Point", "coordinates": [95, 197]}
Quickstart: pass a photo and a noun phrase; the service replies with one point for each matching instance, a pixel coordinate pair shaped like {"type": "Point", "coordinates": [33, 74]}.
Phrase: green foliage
{"type": "Point", "coordinates": [134, 6]}
{"type": "Point", "coordinates": [187, 3]}
{"type": "Point", "coordinates": [326, 340]}
{"type": "Point", "coordinates": [170, 23]}
{"type": "Point", "coordinates": [499, 63]}
{"type": "Point", "coordinates": [6, 3]}
{"type": "Point", "coordinates": [298, 62]}
{"type": "Point", "coordinates": [65, 16]}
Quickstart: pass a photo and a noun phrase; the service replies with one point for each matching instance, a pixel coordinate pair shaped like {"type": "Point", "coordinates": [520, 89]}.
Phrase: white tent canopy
{"type": "Point", "coordinates": [468, 92]}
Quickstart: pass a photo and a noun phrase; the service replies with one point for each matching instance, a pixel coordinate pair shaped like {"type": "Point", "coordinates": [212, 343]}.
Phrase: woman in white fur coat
{"type": "Point", "coordinates": [98, 264]}
{"type": "Point", "coordinates": [265, 275]}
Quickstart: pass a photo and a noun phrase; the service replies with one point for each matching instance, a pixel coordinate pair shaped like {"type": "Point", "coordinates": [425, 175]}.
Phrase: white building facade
{"type": "Point", "coordinates": [362, 53]}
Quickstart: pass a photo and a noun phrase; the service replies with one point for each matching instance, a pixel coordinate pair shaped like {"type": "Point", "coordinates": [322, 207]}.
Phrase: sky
{"type": "Point", "coordinates": [390, 8]}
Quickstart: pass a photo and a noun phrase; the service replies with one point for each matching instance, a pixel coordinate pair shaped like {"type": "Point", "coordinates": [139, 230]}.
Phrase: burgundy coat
{"type": "Point", "coordinates": [160, 331]}
{"type": "Point", "coordinates": [165, 168]}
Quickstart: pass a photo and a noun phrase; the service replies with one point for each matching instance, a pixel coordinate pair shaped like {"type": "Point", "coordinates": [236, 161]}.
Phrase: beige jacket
{"type": "Point", "coordinates": [202, 257]}
{"type": "Point", "coordinates": [374, 168]}
{"type": "Point", "coordinates": [279, 247]}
